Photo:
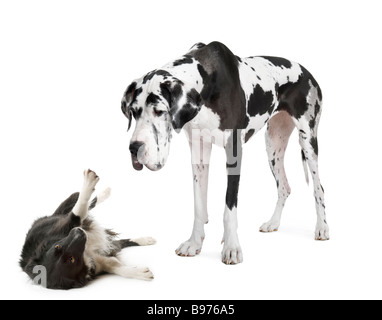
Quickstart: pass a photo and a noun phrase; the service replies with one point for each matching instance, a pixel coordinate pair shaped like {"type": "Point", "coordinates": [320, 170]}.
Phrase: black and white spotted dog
{"type": "Point", "coordinates": [69, 248]}
{"type": "Point", "coordinates": [217, 97]}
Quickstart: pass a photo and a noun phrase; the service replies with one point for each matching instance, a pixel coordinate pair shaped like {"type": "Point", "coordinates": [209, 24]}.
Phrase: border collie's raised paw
{"type": "Point", "coordinates": [90, 179]}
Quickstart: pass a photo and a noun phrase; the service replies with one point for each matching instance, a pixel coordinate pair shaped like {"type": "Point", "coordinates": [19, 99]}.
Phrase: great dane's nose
{"type": "Point", "coordinates": [134, 148]}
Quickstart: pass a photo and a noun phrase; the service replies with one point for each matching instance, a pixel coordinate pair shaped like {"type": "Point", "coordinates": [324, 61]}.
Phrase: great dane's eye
{"type": "Point", "coordinates": [57, 247]}
{"type": "Point", "coordinates": [72, 260]}
{"type": "Point", "coordinates": [158, 113]}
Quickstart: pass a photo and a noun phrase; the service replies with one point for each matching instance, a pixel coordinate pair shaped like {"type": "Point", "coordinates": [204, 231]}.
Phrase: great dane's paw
{"type": "Point", "coordinates": [270, 226]}
{"type": "Point", "coordinates": [189, 249]}
{"type": "Point", "coordinates": [232, 254]}
{"type": "Point", "coordinates": [90, 179]}
{"type": "Point", "coordinates": [322, 232]}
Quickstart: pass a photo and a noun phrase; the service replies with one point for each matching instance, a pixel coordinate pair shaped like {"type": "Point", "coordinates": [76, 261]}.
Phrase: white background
{"type": "Point", "coordinates": [63, 69]}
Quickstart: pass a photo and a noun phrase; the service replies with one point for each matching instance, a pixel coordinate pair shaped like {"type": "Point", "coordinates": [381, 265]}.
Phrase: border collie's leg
{"type": "Point", "coordinates": [101, 197]}
{"type": "Point", "coordinates": [115, 266]}
{"type": "Point", "coordinates": [144, 241]}
{"type": "Point", "coordinates": [81, 207]}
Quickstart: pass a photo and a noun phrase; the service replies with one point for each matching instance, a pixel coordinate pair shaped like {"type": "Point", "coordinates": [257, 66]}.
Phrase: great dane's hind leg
{"type": "Point", "coordinates": [279, 129]}
{"type": "Point", "coordinates": [81, 207]}
{"type": "Point", "coordinates": [232, 253]}
{"type": "Point", "coordinates": [201, 152]}
{"type": "Point", "coordinates": [309, 146]}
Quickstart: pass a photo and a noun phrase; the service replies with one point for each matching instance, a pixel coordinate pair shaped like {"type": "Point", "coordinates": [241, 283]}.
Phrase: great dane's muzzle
{"type": "Point", "coordinates": [134, 149]}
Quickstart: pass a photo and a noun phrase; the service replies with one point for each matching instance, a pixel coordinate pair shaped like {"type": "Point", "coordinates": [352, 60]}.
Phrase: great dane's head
{"type": "Point", "coordinates": [158, 102]}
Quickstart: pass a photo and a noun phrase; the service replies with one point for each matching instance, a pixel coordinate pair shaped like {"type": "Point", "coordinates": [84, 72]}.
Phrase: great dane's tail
{"type": "Point", "coordinates": [100, 198]}
{"type": "Point", "coordinates": [305, 167]}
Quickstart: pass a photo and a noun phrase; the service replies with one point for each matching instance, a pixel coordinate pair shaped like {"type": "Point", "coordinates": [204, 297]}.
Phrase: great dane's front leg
{"type": "Point", "coordinates": [81, 207]}
{"type": "Point", "coordinates": [201, 152]}
{"type": "Point", "coordinates": [232, 253]}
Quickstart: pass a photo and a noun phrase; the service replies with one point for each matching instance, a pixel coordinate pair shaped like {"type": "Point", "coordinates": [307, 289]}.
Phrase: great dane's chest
{"type": "Point", "coordinates": [206, 127]}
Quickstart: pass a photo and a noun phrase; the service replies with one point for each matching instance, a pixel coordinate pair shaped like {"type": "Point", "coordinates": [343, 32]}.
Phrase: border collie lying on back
{"type": "Point", "coordinates": [72, 248]}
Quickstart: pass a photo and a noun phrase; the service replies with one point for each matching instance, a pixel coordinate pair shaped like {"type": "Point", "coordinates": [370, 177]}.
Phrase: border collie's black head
{"type": "Point", "coordinates": [63, 261]}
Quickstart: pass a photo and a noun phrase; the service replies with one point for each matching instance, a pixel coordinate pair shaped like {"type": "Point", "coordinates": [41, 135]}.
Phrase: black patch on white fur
{"type": "Point", "coordinates": [198, 45]}
{"type": "Point", "coordinates": [222, 91]}
{"type": "Point", "coordinates": [279, 62]}
{"type": "Point", "coordinates": [151, 75]}
{"type": "Point", "coordinates": [293, 96]}
{"type": "Point", "coordinates": [183, 115]}
{"type": "Point", "coordinates": [155, 131]}
{"type": "Point", "coordinates": [194, 97]}
{"type": "Point", "coordinates": [260, 102]}
{"type": "Point", "coordinates": [187, 59]}
{"type": "Point", "coordinates": [136, 93]}
{"type": "Point", "coordinates": [314, 144]}
{"type": "Point", "coordinates": [130, 89]}
{"type": "Point", "coordinates": [234, 156]}
{"type": "Point", "coordinates": [152, 98]}
{"type": "Point", "coordinates": [312, 122]}
{"type": "Point", "coordinates": [249, 134]}
{"type": "Point", "coordinates": [232, 191]}
{"type": "Point", "coordinates": [137, 112]}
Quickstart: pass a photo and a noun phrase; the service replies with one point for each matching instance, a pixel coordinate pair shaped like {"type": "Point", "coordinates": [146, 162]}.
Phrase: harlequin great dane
{"type": "Point", "coordinates": [219, 98]}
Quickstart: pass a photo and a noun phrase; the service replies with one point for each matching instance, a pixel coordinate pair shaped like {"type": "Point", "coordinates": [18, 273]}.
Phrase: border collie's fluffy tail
{"type": "Point", "coordinates": [100, 198]}
{"type": "Point", "coordinates": [124, 243]}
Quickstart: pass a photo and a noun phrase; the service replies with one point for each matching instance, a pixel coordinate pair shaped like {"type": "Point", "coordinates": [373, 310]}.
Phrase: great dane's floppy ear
{"type": "Point", "coordinates": [127, 99]}
{"type": "Point", "coordinates": [127, 112]}
{"type": "Point", "coordinates": [184, 105]}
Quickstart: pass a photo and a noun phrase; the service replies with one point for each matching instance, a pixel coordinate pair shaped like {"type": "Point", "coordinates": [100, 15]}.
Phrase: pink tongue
{"type": "Point", "coordinates": [136, 164]}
